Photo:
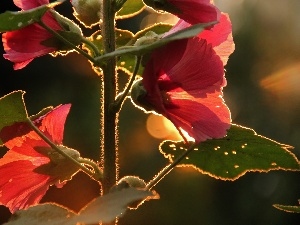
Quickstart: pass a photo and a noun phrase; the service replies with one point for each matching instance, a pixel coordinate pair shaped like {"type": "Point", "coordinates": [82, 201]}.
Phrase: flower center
{"type": "Point", "coordinates": [166, 97]}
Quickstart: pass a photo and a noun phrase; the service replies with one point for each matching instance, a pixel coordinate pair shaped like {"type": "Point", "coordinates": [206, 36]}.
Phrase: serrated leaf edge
{"type": "Point", "coordinates": [283, 146]}
{"type": "Point", "coordinates": [284, 208]}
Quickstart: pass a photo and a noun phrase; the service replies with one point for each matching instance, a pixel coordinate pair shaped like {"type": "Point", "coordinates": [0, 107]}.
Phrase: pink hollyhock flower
{"type": "Point", "coordinates": [192, 11]}
{"type": "Point", "coordinates": [31, 165]}
{"type": "Point", "coordinates": [22, 46]}
{"type": "Point", "coordinates": [183, 81]}
{"type": "Point", "coordinates": [219, 36]}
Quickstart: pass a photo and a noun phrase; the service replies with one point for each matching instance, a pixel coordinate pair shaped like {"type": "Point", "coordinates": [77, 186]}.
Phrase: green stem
{"type": "Point", "coordinates": [98, 173]}
{"type": "Point", "coordinates": [168, 168]}
{"type": "Point", "coordinates": [121, 97]}
{"type": "Point", "coordinates": [56, 148]}
{"type": "Point", "coordinates": [109, 149]}
{"type": "Point", "coordinates": [60, 37]}
{"type": "Point", "coordinates": [93, 47]}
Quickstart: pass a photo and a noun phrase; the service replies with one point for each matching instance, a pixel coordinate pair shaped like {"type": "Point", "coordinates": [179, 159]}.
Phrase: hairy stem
{"type": "Point", "coordinates": [120, 99]}
{"type": "Point", "coordinates": [168, 168]}
{"type": "Point", "coordinates": [109, 150]}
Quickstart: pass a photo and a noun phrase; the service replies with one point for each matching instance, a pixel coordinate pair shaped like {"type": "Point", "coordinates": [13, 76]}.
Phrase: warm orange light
{"type": "Point", "coordinates": [284, 85]}
{"type": "Point", "coordinates": [187, 136]}
{"type": "Point", "coordinates": [161, 128]}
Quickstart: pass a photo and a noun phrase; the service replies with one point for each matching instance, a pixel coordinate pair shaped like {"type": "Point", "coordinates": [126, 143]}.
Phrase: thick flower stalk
{"type": "Point", "coordinates": [22, 46]}
{"type": "Point", "coordinates": [31, 165]}
{"type": "Point", "coordinates": [183, 81]}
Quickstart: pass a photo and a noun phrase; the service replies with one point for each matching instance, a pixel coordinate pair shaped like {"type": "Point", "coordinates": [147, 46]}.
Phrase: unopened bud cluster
{"type": "Point", "coordinates": [87, 11]}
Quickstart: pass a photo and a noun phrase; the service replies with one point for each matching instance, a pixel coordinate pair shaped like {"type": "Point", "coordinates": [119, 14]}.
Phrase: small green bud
{"type": "Point", "coordinates": [66, 24]}
{"type": "Point", "coordinates": [130, 181]}
{"type": "Point", "coordinates": [70, 31]}
{"type": "Point", "coordinates": [138, 95]}
{"type": "Point", "coordinates": [59, 166]}
{"type": "Point", "coordinates": [149, 38]}
{"type": "Point", "coordinates": [88, 12]}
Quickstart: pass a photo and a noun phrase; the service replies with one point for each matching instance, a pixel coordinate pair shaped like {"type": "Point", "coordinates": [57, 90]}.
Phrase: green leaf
{"type": "Point", "coordinates": [114, 204]}
{"type": "Point", "coordinates": [43, 112]}
{"type": "Point", "coordinates": [228, 158]}
{"type": "Point", "coordinates": [12, 111]}
{"type": "Point", "coordinates": [96, 39]}
{"type": "Point", "coordinates": [130, 9]}
{"type": "Point", "coordinates": [46, 214]}
{"type": "Point", "coordinates": [123, 37]}
{"type": "Point", "coordinates": [16, 20]}
{"type": "Point", "coordinates": [142, 49]}
{"type": "Point", "coordinates": [105, 209]}
{"type": "Point", "coordinates": [288, 208]}
{"type": "Point", "coordinates": [127, 62]}
{"type": "Point", "coordinates": [158, 28]}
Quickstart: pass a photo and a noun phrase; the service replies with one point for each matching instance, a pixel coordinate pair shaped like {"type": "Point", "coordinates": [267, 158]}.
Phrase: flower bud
{"type": "Point", "coordinates": [130, 182]}
{"type": "Point", "coordinates": [88, 12]}
{"type": "Point", "coordinates": [138, 96]}
{"type": "Point", "coordinates": [149, 38]}
{"type": "Point", "coordinates": [59, 166]}
{"type": "Point", "coordinates": [133, 181]}
{"type": "Point", "coordinates": [69, 31]}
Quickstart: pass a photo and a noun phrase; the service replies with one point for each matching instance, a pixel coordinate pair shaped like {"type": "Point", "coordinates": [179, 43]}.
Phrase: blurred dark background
{"type": "Point", "coordinates": [263, 93]}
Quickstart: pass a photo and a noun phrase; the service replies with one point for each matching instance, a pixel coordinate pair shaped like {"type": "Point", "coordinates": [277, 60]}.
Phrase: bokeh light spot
{"type": "Point", "coordinates": [161, 128]}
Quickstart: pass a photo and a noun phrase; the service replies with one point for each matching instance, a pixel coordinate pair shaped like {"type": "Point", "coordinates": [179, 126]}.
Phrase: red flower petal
{"type": "Point", "coordinates": [191, 64]}
{"type": "Point", "coordinates": [52, 124]}
{"type": "Point", "coordinates": [196, 11]}
{"type": "Point", "coordinates": [30, 4]}
{"type": "Point", "coordinates": [27, 170]}
{"type": "Point", "coordinates": [196, 106]}
{"type": "Point", "coordinates": [198, 68]}
{"type": "Point", "coordinates": [184, 81]}
{"type": "Point", "coordinates": [220, 37]}
{"type": "Point", "coordinates": [28, 149]}
{"type": "Point", "coordinates": [201, 117]}
{"type": "Point", "coordinates": [20, 186]}
{"type": "Point", "coordinates": [162, 60]}
{"type": "Point", "coordinates": [54, 121]}
{"type": "Point", "coordinates": [16, 130]}
{"type": "Point", "coordinates": [22, 46]}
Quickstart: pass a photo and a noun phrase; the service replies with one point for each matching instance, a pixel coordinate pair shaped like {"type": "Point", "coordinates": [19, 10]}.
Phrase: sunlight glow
{"type": "Point", "coordinates": [283, 86]}
{"type": "Point", "coordinates": [161, 128]}
{"type": "Point", "coordinates": [186, 135]}
{"type": "Point", "coordinates": [285, 82]}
